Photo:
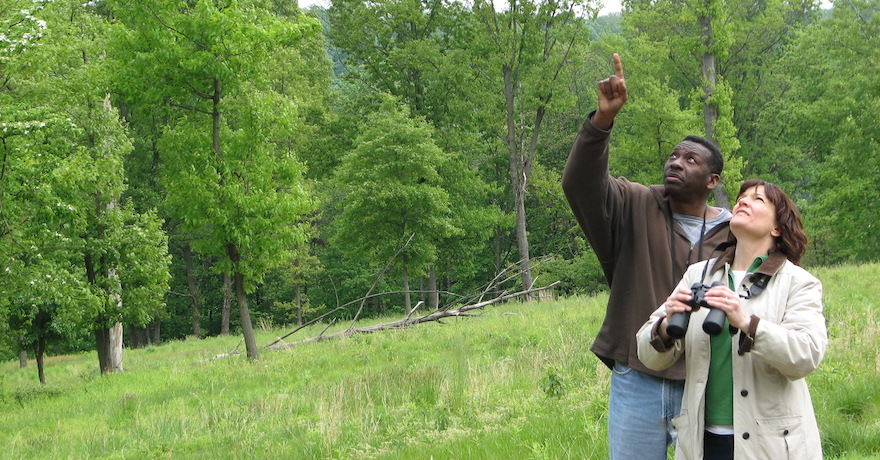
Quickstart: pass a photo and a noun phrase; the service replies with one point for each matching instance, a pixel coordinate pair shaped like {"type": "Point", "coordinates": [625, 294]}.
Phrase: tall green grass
{"type": "Point", "coordinates": [516, 382]}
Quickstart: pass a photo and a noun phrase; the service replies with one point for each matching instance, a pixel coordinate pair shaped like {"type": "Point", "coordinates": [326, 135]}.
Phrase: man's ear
{"type": "Point", "coordinates": [714, 180]}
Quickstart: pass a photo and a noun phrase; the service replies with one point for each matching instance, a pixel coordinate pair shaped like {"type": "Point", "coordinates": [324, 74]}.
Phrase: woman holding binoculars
{"type": "Point", "coordinates": [745, 396]}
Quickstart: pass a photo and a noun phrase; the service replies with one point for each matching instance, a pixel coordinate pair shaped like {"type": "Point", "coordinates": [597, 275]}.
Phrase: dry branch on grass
{"type": "Point", "coordinates": [508, 274]}
{"type": "Point", "coordinates": [409, 320]}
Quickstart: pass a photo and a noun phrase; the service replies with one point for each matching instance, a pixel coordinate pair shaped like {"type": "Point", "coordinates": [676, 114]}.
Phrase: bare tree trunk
{"type": "Point", "coordinates": [433, 294]}
{"type": "Point", "coordinates": [407, 297]}
{"type": "Point", "coordinates": [102, 343]}
{"type": "Point", "coordinates": [299, 306]}
{"type": "Point", "coordinates": [138, 337]}
{"type": "Point", "coordinates": [157, 332]}
{"type": "Point", "coordinates": [247, 329]}
{"type": "Point", "coordinates": [227, 304]}
{"type": "Point", "coordinates": [499, 245]}
{"type": "Point", "coordinates": [109, 342]}
{"type": "Point", "coordinates": [115, 352]}
{"type": "Point", "coordinates": [22, 352]}
{"type": "Point", "coordinates": [116, 347]}
{"type": "Point", "coordinates": [193, 290]}
{"type": "Point", "coordinates": [710, 110]}
{"type": "Point", "coordinates": [518, 178]}
{"type": "Point", "coordinates": [39, 352]}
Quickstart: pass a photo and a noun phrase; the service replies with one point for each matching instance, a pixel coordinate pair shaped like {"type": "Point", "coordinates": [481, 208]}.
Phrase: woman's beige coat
{"type": "Point", "coordinates": [773, 413]}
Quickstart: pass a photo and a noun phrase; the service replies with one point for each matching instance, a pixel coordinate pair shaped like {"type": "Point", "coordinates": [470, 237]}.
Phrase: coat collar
{"type": "Point", "coordinates": [775, 260]}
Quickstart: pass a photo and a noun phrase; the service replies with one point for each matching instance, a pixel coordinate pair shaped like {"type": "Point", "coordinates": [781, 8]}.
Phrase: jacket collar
{"type": "Point", "coordinates": [775, 260]}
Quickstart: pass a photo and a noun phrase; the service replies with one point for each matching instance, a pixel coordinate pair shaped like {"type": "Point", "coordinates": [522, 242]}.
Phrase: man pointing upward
{"type": "Point", "coordinates": [644, 238]}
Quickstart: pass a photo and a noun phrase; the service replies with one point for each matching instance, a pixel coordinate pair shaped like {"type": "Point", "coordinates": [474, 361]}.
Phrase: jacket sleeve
{"type": "Point", "coordinates": [595, 198]}
{"type": "Point", "coordinates": [652, 356]}
{"type": "Point", "coordinates": [796, 345]}
{"type": "Point", "coordinates": [651, 353]}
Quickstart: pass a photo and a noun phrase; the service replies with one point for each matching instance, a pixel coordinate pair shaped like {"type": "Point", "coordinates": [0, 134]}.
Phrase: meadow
{"type": "Point", "coordinates": [518, 381]}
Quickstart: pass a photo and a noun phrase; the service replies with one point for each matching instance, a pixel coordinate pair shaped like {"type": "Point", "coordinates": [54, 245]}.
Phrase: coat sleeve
{"type": "Point", "coordinates": [651, 356]}
{"type": "Point", "coordinates": [594, 197]}
{"type": "Point", "coordinates": [796, 345]}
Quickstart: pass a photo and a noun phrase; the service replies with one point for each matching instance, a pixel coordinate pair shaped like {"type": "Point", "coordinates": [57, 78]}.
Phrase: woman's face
{"type": "Point", "coordinates": [754, 215]}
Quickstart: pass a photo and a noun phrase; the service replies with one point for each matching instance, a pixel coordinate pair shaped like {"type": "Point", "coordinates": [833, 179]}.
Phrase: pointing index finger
{"type": "Point", "coordinates": [618, 67]}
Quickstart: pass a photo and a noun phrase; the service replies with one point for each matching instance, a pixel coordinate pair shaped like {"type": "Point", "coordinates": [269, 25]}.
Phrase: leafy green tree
{"type": "Point", "coordinates": [399, 47]}
{"type": "Point", "coordinates": [396, 208]}
{"type": "Point", "coordinates": [518, 55]}
{"type": "Point", "coordinates": [82, 257]}
{"type": "Point", "coordinates": [687, 41]}
{"type": "Point", "coordinates": [404, 48]}
{"type": "Point", "coordinates": [821, 137]}
{"type": "Point", "coordinates": [227, 180]}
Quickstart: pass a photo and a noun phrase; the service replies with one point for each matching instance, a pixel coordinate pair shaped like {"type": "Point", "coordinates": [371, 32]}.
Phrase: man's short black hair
{"type": "Point", "coordinates": [716, 161]}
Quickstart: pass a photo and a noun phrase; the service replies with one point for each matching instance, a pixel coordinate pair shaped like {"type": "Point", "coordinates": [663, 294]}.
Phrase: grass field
{"type": "Point", "coordinates": [516, 382]}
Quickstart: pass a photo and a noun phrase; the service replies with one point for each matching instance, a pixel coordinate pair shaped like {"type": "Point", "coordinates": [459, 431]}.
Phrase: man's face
{"type": "Point", "coordinates": [686, 171]}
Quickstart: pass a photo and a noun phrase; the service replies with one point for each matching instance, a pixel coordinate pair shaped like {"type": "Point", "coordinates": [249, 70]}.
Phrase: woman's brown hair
{"type": "Point", "coordinates": [792, 241]}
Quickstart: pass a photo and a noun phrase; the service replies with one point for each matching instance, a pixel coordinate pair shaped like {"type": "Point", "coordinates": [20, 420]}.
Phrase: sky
{"type": "Point", "coordinates": [608, 6]}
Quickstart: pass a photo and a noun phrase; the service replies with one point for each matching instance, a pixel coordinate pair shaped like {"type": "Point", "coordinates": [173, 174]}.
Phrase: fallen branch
{"type": "Point", "coordinates": [434, 316]}
{"type": "Point", "coordinates": [319, 318]}
{"type": "Point", "coordinates": [231, 353]}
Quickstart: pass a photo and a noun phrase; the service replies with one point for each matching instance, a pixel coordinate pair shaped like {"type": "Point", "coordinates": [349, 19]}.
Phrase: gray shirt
{"type": "Point", "coordinates": [692, 225]}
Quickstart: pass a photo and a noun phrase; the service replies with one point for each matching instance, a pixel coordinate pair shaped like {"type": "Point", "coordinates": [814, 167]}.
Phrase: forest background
{"type": "Point", "coordinates": [163, 162]}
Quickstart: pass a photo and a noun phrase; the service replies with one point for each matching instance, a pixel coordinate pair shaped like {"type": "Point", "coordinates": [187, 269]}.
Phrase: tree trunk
{"type": "Point", "coordinates": [407, 298]}
{"type": "Point", "coordinates": [138, 337]}
{"type": "Point", "coordinates": [157, 332]}
{"type": "Point", "coordinates": [109, 345]}
{"type": "Point", "coordinates": [518, 179]}
{"type": "Point", "coordinates": [433, 294]}
{"type": "Point", "coordinates": [499, 251]}
{"type": "Point", "coordinates": [102, 343]}
{"type": "Point", "coordinates": [299, 306]}
{"type": "Point", "coordinates": [227, 304]}
{"type": "Point", "coordinates": [22, 352]}
{"type": "Point", "coordinates": [116, 347]}
{"type": "Point", "coordinates": [193, 290]}
{"type": "Point", "coordinates": [247, 328]}
{"type": "Point", "coordinates": [710, 110]}
{"type": "Point", "coordinates": [39, 352]}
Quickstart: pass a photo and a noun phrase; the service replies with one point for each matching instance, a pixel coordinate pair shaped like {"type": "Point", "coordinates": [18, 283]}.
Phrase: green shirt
{"type": "Point", "coordinates": [719, 388]}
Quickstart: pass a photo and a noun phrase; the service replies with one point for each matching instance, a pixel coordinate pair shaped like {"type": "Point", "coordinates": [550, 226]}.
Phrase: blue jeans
{"type": "Point", "coordinates": [640, 412]}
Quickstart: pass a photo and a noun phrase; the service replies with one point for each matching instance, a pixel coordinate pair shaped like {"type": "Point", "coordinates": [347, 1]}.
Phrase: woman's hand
{"type": "Point", "coordinates": [677, 302]}
{"type": "Point", "coordinates": [722, 298]}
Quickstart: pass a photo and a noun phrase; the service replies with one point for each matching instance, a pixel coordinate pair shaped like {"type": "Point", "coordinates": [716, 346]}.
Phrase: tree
{"type": "Point", "coordinates": [690, 38]}
{"type": "Point", "coordinates": [519, 54]}
{"type": "Point", "coordinates": [405, 48]}
{"type": "Point", "coordinates": [82, 257]}
{"type": "Point", "coordinates": [396, 207]}
{"type": "Point", "coordinates": [822, 136]}
{"type": "Point", "coordinates": [227, 181]}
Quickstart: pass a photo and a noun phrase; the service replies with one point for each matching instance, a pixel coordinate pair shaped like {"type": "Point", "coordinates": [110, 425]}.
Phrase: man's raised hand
{"type": "Point", "coordinates": [612, 96]}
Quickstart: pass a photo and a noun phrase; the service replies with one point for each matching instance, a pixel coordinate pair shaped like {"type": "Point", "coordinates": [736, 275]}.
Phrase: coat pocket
{"type": "Point", "coordinates": [781, 438]}
{"type": "Point", "coordinates": [687, 443]}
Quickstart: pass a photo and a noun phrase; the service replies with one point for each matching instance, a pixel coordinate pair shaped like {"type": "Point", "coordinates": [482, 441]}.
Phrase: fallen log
{"type": "Point", "coordinates": [409, 320]}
